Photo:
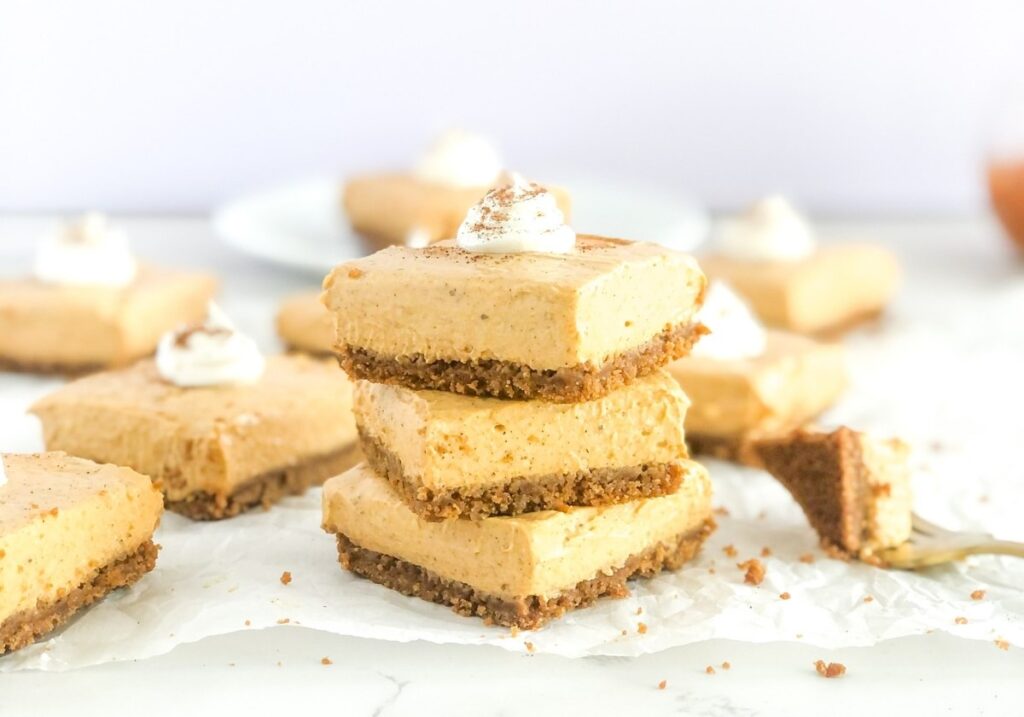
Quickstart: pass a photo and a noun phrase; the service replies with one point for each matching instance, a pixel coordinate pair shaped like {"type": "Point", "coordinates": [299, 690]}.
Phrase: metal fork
{"type": "Point", "coordinates": [930, 545]}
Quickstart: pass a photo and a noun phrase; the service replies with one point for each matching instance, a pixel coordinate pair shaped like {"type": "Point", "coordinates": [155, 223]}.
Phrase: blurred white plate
{"type": "Point", "coordinates": [302, 225]}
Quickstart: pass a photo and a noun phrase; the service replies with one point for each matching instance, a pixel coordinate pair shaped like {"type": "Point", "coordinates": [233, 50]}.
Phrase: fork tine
{"type": "Point", "coordinates": [925, 527]}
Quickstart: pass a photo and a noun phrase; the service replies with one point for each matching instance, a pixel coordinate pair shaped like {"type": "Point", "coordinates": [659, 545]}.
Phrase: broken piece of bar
{"type": "Point", "coordinates": [853, 488]}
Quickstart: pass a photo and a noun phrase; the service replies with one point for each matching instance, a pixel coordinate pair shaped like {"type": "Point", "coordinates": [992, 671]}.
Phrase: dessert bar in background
{"type": "Point", "coordinates": [90, 305]}
{"type": "Point", "coordinates": [303, 324]}
{"type": "Point", "coordinates": [771, 257]}
{"type": "Point", "coordinates": [747, 382]}
{"type": "Point", "coordinates": [219, 429]}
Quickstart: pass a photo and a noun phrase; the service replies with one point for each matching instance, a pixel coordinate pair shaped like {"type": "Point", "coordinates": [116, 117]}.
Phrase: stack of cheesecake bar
{"type": "Point", "coordinates": [525, 449]}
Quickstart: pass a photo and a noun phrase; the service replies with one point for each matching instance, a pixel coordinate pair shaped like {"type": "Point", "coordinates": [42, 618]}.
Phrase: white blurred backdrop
{"type": "Point", "coordinates": [873, 107]}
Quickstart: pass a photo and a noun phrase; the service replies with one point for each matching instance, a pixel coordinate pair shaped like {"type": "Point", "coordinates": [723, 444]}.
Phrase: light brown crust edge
{"type": "Point", "coordinates": [267, 489]}
{"type": "Point", "coordinates": [26, 627]}
{"type": "Point", "coordinates": [527, 613]}
{"type": "Point", "coordinates": [64, 370]}
{"type": "Point", "coordinates": [504, 379]}
{"type": "Point", "coordinates": [525, 494]}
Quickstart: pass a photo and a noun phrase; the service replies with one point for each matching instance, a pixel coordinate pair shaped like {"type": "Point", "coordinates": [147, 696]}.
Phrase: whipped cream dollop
{"type": "Point", "coordinates": [460, 159]}
{"type": "Point", "coordinates": [517, 217]}
{"type": "Point", "coordinates": [770, 230]}
{"type": "Point", "coordinates": [735, 331]}
{"type": "Point", "coordinates": [211, 353]}
{"type": "Point", "coordinates": [88, 252]}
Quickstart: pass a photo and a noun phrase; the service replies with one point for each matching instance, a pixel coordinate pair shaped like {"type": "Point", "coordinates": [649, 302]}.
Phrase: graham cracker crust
{"type": "Point", "coordinates": [28, 626]}
{"type": "Point", "coordinates": [525, 494]}
{"type": "Point", "coordinates": [266, 489]}
{"type": "Point", "coordinates": [506, 379]}
{"type": "Point", "coordinates": [823, 472]}
{"type": "Point", "coordinates": [526, 613]}
{"type": "Point", "coordinates": [53, 369]}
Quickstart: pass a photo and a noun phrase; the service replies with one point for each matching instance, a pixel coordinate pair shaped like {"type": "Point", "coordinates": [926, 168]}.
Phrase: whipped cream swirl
{"type": "Point", "coordinates": [736, 333]}
{"type": "Point", "coordinates": [211, 353]}
{"type": "Point", "coordinates": [88, 252]}
{"type": "Point", "coordinates": [517, 217]}
{"type": "Point", "coordinates": [770, 230]}
{"type": "Point", "coordinates": [460, 159]}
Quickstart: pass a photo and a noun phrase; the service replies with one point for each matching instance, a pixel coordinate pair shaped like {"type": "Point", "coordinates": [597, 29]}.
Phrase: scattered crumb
{"type": "Point", "coordinates": [1002, 644]}
{"type": "Point", "coordinates": [641, 627]}
{"type": "Point", "coordinates": [284, 621]}
{"type": "Point", "coordinates": [624, 633]}
{"type": "Point", "coordinates": [711, 570]}
{"type": "Point", "coordinates": [960, 621]}
{"type": "Point", "coordinates": [832, 669]}
{"type": "Point", "coordinates": [513, 631]}
{"type": "Point", "coordinates": [806, 558]}
{"type": "Point", "coordinates": [722, 511]}
{"type": "Point", "coordinates": [726, 665]}
{"type": "Point", "coordinates": [663, 684]}
{"type": "Point", "coordinates": [784, 596]}
{"type": "Point", "coordinates": [755, 571]}
{"type": "Point", "coordinates": [729, 550]}
{"type": "Point", "coordinates": [766, 552]}
{"type": "Point", "coordinates": [529, 646]}
{"type": "Point", "coordinates": [286, 577]}
{"type": "Point", "coordinates": [326, 661]}
{"type": "Point", "coordinates": [709, 670]}
{"type": "Point", "coordinates": [978, 595]}
{"type": "Point", "coordinates": [248, 623]}
{"type": "Point", "coordinates": [869, 598]}
{"type": "Point", "coordinates": [639, 611]}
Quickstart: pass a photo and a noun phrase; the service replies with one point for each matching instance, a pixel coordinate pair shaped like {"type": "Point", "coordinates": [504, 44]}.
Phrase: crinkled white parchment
{"type": "Point", "coordinates": [946, 371]}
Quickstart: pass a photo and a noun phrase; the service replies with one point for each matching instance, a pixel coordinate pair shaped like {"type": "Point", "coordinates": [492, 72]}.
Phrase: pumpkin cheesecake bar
{"type": "Point", "coordinates": [771, 257]}
{"type": "Point", "coordinates": [451, 456]}
{"type": "Point", "coordinates": [90, 306]}
{"type": "Point", "coordinates": [516, 571]}
{"type": "Point", "coordinates": [559, 327]}
{"type": "Point", "coordinates": [854, 488]}
{"type": "Point", "coordinates": [738, 400]}
{"type": "Point", "coordinates": [303, 324]}
{"type": "Point", "coordinates": [215, 448]}
{"type": "Point", "coordinates": [71, 531]}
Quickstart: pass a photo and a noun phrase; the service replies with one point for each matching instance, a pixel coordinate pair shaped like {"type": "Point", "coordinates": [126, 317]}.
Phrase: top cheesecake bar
{"type": "Point", "coordinates": [562, 327]}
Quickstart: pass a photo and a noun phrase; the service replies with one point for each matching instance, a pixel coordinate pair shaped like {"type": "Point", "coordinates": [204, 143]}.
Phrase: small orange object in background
{"type": "Point", "coordinates": [1006, 190]}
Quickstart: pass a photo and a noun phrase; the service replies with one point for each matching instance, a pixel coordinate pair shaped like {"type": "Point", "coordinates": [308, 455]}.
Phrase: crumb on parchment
{"type": "Point", "coordinates": [709, 670]}
{"type": "Point", "coordinates": [978, 595]}
{"type": "Point", "coordinates": [663, 684]}
{"type": "Point", "coordinates": [830, 670]}
{"type": "Point", "coordinates": [286, 577]}
{"type": "Point", "coordinates": [755, 571]}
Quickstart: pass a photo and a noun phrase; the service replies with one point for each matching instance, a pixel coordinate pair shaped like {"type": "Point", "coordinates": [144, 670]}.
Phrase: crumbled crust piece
{"type": "Point", "coordinates": [784, 596]}
{"type": "Point", "coordinates": [1002, 644]}
{"type": "Point", "coordinates": [709, 670]}
{"type": "Point", "coordinates": [730, 551]}
{"type": "Point", "coordinates": [960, 621]}
{"type": "Point", "coordinates": [326, 661]}
{"type": "Point", "coordinates": [832, 669]}
{"type": "Point", "coordinates": [726, 665]}
{"type": "Point", "coordinates": [755, 571]}
{"type": "Point", "coordinates": [663, 684]}
{"type": "Point", "coordinates": [807, 558]}
{"type": "Point", "coordinates": [286, 577]}
{"type": "Point", "coordinates": [978, 595]}
{"type": "Point", "coordinates": [641, 627]}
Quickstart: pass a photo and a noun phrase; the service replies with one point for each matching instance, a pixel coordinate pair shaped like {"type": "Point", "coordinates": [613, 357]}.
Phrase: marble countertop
{"type": "Point", "coordinates": [280, 669]}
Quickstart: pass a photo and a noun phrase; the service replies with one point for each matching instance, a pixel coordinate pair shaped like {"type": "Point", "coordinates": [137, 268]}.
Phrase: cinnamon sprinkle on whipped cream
{"type": "Point", "coordinates": [518, 216]}
{"type": "Point", "coordinates": [211, 353]}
